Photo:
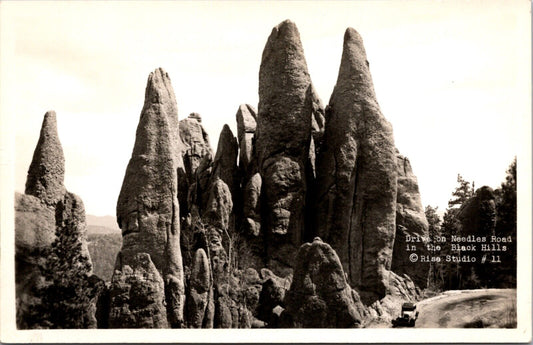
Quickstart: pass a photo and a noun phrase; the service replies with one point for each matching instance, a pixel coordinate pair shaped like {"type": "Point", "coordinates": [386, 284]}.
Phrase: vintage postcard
{"type": "Point", "coordinates": [274, 171]}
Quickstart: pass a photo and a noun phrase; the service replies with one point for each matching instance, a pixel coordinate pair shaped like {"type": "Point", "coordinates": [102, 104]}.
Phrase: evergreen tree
{"type": "Point", "coordinates": [451, 226]}
{"type": "Point", "coordinates": [67, 295]}
{"type": "Point", "coordinates": [436, 278]}
{"type": "Point", "coordinates": [462, 193]}
{"type": "Point", "coordinates": [506, 226]}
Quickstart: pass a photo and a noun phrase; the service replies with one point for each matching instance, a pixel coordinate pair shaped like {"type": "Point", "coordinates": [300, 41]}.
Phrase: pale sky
{"type": "Point", "coordinates": [453, 78]}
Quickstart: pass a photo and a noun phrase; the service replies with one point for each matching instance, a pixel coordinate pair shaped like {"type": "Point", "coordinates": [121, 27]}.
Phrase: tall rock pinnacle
{"type": "Point", "coordinates": [282, 141]}
{"type": "Point", "coordinates": [46, 174]}
{"type": "Point", "coordinates": [147, 207]}
{"type": "Point", "coordinates": [356, 174]}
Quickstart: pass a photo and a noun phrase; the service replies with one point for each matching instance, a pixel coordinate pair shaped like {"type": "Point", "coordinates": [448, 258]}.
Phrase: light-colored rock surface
{"type": "Point", "coordinates": [147, 207]}
{"type": "Point", "coordinates": [410, 221]}
{"type": "Point", "coordinates": [282, 142]}
{"type": "Point", "coordinates": [356, 175]}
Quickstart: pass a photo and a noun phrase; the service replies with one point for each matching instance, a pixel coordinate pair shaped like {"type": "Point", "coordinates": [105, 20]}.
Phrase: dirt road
{"type": "Point", "coordinates": [469, 309]}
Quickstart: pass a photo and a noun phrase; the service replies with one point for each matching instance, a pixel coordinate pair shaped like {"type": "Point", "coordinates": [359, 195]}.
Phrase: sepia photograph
{"type": "Point", "coordinates": [265, 171]}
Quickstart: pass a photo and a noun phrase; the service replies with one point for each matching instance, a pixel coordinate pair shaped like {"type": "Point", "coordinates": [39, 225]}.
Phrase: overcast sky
{"type": "Point", "coordinates": [453, 78]}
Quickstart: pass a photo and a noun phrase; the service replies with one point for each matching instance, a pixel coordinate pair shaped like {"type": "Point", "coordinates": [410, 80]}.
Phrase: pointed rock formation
{"type": "Point", "coordinates": [225, 164]}
{"type": "Point", "coordinates": [320, 296]}
{"type": "Point", "coordinates": [410, 221]}
{"type": "Point", "coordinates": [47, 169]}
{"type": "Point", "coordinates": [219, 206]}
{"type": "Point", "coordinates": [246, 125]}
{"type": "Point", "coordinates": [147, 207]}
{"type": "Point", "coordinates": [356, 175]}
{"type": "Point", "coordinates": [282, 143]}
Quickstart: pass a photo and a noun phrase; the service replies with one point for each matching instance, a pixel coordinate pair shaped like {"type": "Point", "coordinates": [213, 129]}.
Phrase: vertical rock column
{"type": "Point", "coordinates": [250, 217]}
{"type": "Point", "coordinates": [282, 142]}
{"type": "Point", "coordinates": [410, 221]}
{"type": "Point", "coordinates": [356, 175]}
{"type": "Point", "coordinates": [147, 207]}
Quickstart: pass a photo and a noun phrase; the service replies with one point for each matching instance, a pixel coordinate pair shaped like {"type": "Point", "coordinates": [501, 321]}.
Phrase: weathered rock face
{"type": "Point", "coordinates": [34, 234]}
{"type": "Point", "coordinates": [147, 207]}
{"type": "Point", "coordinates": [47, 169]}
{"type": "Point", "coordinates": [272, 296]}
{"type": "Point", "coordinates": [246, 124]}
{"type": "Point", "coordinates": [356, 175]}
{"type": "Point", "coordinates": [252, 206]}
{"type": "Point", "coordinates": [410, 221]}
{"type": "Point", "coordinates": [34, 224]}
{"type": "Point", "coordinates": [219, 206]}
{"type": "Point", "coordinates": [320, 296]}
{"type": "Point", "coordinates": [194, 146]}
{"type": "Point", "coordinates": [70, 211]}
{"type": "Point", "coordinates": [201, 292]}
{"type": "Point", "coordinates": [282, 143]}
{"type": "Point", "coordinates": [138, 295]}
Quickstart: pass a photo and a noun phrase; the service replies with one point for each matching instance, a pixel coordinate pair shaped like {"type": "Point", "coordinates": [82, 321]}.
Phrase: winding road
{"type": "Point", "coordinates": [468, 309]}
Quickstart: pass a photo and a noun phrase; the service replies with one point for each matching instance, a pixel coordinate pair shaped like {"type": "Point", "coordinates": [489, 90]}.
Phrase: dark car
{"type": "Point", "coordinates": [407, 317]}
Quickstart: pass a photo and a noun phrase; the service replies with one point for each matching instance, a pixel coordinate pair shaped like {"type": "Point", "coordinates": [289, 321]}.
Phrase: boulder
{"type": "Point", "coordinates": [282, 143]}
{"type": "Point", "coordinates": [138, 295]}
{"type": "Point", "coordinates": [320, 296]}
{"type": "Point", "coordinates": [147, 207]}
{"type": "Point", "coordinates": [410, 221]}
{"type": "Point", "coordinates": [356, 175]}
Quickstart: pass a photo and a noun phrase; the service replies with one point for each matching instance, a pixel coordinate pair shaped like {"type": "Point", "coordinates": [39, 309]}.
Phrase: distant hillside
{"type": "Point", "coordinates": [103, 248]}
{"type": "Point", "coordinates": [96, 229]}
{"type": "Point", "coordinates": [103, 221]}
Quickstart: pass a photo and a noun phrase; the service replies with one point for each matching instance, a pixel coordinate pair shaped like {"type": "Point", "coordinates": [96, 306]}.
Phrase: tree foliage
{"type": "Point", "coordinates": [462, 192]}
{"type": "Point", "coordinates": [66, 297]}
{"type": "Point", "coordinates": [506, 226]}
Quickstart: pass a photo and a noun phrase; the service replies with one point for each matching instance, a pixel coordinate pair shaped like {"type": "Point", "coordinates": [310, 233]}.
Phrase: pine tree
{"type": "Point", "coordinates": [434, 232]}
{"type": "Point", "coordinates": [506, 226]}
{"type": "Point", "coordinates": [462, 193]}
{"type": "Point", "coordinates": [451, 226]}
{"type": "Point", "coordinates": [67, 295]}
